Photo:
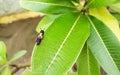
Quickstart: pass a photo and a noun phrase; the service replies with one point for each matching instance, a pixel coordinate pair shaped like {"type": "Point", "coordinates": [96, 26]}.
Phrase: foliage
{"type": "Point", "coordinates": [76, 31]}
{"type": "Point", "coordinates": [4, 62]}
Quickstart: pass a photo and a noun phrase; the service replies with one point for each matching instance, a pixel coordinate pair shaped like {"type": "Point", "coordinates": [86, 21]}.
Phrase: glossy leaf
{"type": "Point", "coordinates": [6, 71]}
{"type": "Point", "coordinates": [48, 6]}
{"type": "Point", "coordinates": [103, 14]}
{"type": "Point", "coordinates": [61, 45]}
{"type": "Point", "coordinates": [105, 46]}
{"type": "Point", "coordinates": [27, 72]}
{"type": "Point", "coordinates": [17, 55]}
{"type": "Point", "coordinates": [87, 64]}
{"type": "Point", "coordinates": [3, 53]}
{"type": "Point", "coordinates": [99, 3]}
{"type": "Point", "coordinates": [46, 22]}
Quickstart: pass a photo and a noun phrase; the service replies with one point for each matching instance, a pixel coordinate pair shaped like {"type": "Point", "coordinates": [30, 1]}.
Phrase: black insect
{"type": "Point", "coordinates": [40, 37]}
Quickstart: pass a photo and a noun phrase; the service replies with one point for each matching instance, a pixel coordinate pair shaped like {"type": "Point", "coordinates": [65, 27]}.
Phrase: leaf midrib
{"type": "Point", "coordinates": [62, 5]}
{"type": "Point", "coordinates": [88, 60]}
{"type": "Point", "coordinates": [62, 44]}
{"type": "Point", "coordinates": [102, 41]}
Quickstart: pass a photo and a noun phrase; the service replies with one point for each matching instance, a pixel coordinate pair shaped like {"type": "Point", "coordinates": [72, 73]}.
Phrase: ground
{"type": "Point", "coordinates": [20, 35]}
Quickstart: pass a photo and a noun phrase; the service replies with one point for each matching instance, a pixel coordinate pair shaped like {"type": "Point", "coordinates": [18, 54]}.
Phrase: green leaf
{"type": "Point", "coordinates": [48, 6]}
{"type": "Point", "coordinates": [72, 73]}
{"type": "Point", "coordinates": [116, 6]}
{"type": "Point", "coordinates": [117, 16]}
{"type": "Point", "coordinates": [77, 1]}
{"type": "Point", "coordinates": [105, 46]}
{"type": "Point", "coordinates": [1, 60]}
{"type": "Point", "coordinates": [87, 64]}
{"type": "Point", "coordinates": [109, 20]}
{"type": "Point", "coordinates": [117, 1]}
{"type": "Point", "coordinates": [27, 72]}
{"type": "Point", "coordinates": [6, 71]}
{"type": "Point", "coordinates": [17, 55]}
{"type": "Point", "coordinates": [61, 45]}
{"type": "Point", "coordinates": [3, 53]}
{"type": "Point", "coordinates": [99, 3]}
{"type": "Point", "coordinates": [46, 22]}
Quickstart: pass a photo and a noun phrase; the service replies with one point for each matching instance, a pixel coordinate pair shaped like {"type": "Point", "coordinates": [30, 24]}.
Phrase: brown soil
{"type": "Point", "coordinates": [20, 35]}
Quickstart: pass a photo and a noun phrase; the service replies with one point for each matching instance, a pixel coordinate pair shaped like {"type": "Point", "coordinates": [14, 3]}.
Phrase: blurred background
{"type": "Point", "coordinates": [9, 6]}
{"type": "Point", "coordinates": [17, 30]}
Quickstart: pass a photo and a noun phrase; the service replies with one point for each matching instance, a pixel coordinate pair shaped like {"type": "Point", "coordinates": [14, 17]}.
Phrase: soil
{"type": "Point", "coordinates": [20, 35]}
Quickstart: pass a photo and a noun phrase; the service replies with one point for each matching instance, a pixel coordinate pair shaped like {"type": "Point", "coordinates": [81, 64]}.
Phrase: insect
{"type": "Point", "coordinates": [40, 37]}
